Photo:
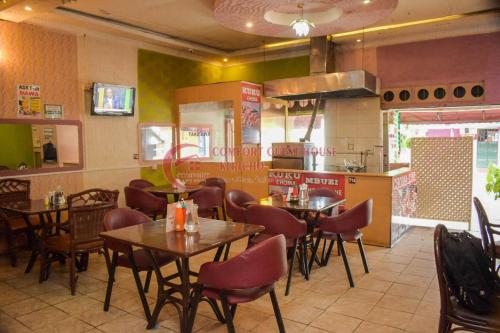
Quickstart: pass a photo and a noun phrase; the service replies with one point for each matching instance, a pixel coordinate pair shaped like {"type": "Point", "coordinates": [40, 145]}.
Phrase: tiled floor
{"type": "Point", "coordinates": [399, 294]}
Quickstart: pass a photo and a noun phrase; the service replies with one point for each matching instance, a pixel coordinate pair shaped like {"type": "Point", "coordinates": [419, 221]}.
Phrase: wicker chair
{"type": "Point", "coordinates": [86, 211]}
{"type": "Point", "coordinates": [452, 313]}
{"type": "Point", "coordinates": [12, 225]}
{"type": "Point", "coordinates": [488, 231]}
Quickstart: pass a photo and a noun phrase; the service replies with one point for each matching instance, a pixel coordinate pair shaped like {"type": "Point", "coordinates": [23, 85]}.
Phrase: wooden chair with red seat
{"type": "Point", "coordinates": [209, 199]}
{"type": "Point", "coordinates": [345, 227]}
{"type": "Point", "coordinates": [488, 233]}
{"type": "Point", "coordinates": [140, 183]}
{"type": "Point", "coordinates": [220, 183]}
{"type": "Point", "coordinates": [243, 279]}
{"type": "Point", "coordinates": [13, 225]}
{"type": "Point", "coordinates": [125, 256]}
{"type": "Point", "coordinates": [145, 202]}
{"type": "Point", "coordinates": [278, 221]}
{"type": "Point", "coordinates": [451, 312]}
{"type": "Point", "coordinates": [86, 211]}
{"type": "Point", "coordinates": [235, 204]}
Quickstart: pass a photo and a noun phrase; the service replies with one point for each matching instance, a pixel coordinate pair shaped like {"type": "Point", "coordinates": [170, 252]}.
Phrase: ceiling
{"type": "Point", "coordinates": [189, 25]}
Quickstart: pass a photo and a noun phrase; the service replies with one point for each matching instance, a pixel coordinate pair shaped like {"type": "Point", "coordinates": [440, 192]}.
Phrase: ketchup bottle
{"type": "Point", "coordinates": [180, 216]}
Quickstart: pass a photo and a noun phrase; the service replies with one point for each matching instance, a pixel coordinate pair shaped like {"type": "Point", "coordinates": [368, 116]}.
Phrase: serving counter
{"type": "Point", "coordinates": [393, 193]}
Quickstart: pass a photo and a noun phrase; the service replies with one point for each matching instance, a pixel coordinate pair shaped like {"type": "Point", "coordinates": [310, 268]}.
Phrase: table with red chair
{"type": "Point", "coordinates": [165, 190]}
{"type": "Point", "coordinates": [154, 239]}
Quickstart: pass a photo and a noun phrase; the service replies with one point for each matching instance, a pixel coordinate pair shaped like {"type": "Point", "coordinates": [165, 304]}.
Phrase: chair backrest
{"type": "Point", "coordinates": [486, 231]}
{"type": "Point", "coordinates": [323, 192]}
{"type": "Point", "coordinates": [439, 234]}
{"type": "Point", "coordinates": [235, 200]}
{"type": "Point", "coordinates": [258, 266]}
{"type": "Point", "coordinates": [121, 218]}
{"type": "Point", "coordinates": [86, 211]}
{"type": "Point", "coordinates": [4, 167]}
{"type": "Point", "coordinates": [145, 202]}
{"type": "Point", "coordinates": [276, 221]}
{"type": "Point", "coordinates": [357, 217]}
{"type": "Point", "coordinates": [140, 183]}
{"type": "Point", "coordinates": [217, 182]}
{"type": "Point", "coordinates": [12, 190]}
{"type": "Point", "coordinates": [207, 198]}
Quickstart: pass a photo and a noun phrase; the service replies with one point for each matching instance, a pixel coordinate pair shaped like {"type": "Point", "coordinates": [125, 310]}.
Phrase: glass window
{"type": "Point", "coordinates": [207, 130]}
{"type": "Point", "coordinates": [156, 141]}
{"type": "Point", "coordinates": [272, 127]}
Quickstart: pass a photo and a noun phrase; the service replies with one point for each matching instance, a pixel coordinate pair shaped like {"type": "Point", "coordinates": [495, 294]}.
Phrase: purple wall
{"type": "Point", "coordinates": [443, 61]}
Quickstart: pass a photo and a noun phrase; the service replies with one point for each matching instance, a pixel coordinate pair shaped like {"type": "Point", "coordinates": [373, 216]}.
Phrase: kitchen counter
{"type": "Point", "coordinates": [393, 194]}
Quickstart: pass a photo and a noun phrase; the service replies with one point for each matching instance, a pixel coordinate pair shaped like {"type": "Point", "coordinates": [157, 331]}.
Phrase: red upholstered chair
{"type": "Point", "coordinates": [209, 199]}
{"type": "Point", "coordinates": [488, 232]}
{"type": "Point", "coordinates": [324, 192]}
{"type": "Point", "coordinates": [145, 202]}
{"type": "Point", "coordinates": [278, 221]}
{"type": "Point", "coordinates": [125, 256]}
{"type": "Point", "coordinates": [235, 204]}
{"type": "Point", "coordinates": [220, 183]}
{"type": "Point", "coordinates": [243, 279]}
{"type": "Point", "coordinates": [345, 227]}
{"type": "Point", "coordinates": [140, 183]}
{"type": "Point", "coordinates": [452, 313]}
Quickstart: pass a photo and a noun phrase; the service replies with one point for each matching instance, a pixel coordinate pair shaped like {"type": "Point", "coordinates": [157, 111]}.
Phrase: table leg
{"type": "Point", "coordinates": [41, 249]}
{"type": "Point", "coordinates": [32, 240]}
{"type": "Point", "coordinates": [186, 295]}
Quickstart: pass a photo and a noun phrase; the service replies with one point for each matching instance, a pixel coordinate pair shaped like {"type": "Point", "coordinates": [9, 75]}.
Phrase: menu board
{"type": "Point", "coordinates": [28, 100]}
{"type": "Point", "coordinates": [250, 112]}
{"type": "Point", "coordinates": [280, 181]}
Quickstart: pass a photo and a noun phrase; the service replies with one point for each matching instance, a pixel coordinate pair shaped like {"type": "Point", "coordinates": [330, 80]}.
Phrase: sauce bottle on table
{"type": "Point", "coordinates": [180, 216]}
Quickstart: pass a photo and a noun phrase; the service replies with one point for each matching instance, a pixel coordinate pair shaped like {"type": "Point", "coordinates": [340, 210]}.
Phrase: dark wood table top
{"type": "Point", "coordinates": [212, 234]}
{"type": "Point", "coordinates": [314, 204]}
{"type": "Point", "coordinates": [169, 189]}
{"type": "Point", "coordinates": [32, 207]}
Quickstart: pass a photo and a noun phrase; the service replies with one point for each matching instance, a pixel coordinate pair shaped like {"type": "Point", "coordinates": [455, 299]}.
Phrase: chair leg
{"type": "Point", "coordinates": [72, 273]}
{"type": "Point", "coordinates": [138, 284]}
{"type": "Point", "coordinates": [304, 259]}
{"type": "Point", "coordinates": [43, 266]}
{"type": "Point", "coordinates": [227, 314]}
{"type": "Point", "coordinates": [277, 312]}
{"type": "Point", "coordinates": [10, 249]}
{"type": "Point", "coordinates": [226, 254]}
{"type": "Point", "coordinates": [328, 252]}
{"type": "Point", "coordinates": [194, 306]}
{"type": "Point", "coordinates": [340, 244]}
{"type": "Point", "coordinates": [315, 251]}
{"type": "Point", "coordinates": [290, 270]}
{"type": "Point", "coordinates": [233, 310]}
{"type": "Point", "coordinates": [444, 324]}
{"type": "Point", "coordinates": [111, 279]}
{"type": "Point", "coordinates": [148, 281]}
{"type": "Point", "coordinates": [363, 255]}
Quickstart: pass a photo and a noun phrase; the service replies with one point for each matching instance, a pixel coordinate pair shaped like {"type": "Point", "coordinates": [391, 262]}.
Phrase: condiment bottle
{"type": "Point", "coordinates": [180, 214]}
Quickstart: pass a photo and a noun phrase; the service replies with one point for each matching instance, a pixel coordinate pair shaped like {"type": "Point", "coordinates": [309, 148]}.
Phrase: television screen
{"type": "Point", "coordinates": [112, 100]}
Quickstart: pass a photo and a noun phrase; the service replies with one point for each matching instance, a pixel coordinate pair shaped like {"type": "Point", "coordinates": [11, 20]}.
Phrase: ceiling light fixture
{"type": "Point", "coordinates": [28, 8]}
{"type": "Point", "coordinates": [249, 24]}
{"type": "Point", "coordinates": [302, 26]}
{"type": "Point", "coordinates": [358, 40]}
{"type": "Point", "coordinates": [366, 2]}
{"type": "Point", "coordinates": [225, 59]}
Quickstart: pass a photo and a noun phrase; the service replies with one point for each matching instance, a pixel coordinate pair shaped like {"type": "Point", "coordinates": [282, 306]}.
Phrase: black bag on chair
{"type": "Point", "coordinates": [468, 270]}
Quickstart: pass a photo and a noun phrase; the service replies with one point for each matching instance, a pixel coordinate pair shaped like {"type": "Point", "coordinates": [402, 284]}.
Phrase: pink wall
{"type": "Point", "coordinates": [442, 61]}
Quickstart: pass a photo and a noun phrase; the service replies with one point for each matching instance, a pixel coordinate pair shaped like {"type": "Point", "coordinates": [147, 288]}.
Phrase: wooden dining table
{"type": "Point", "coordinates": [44, 212]}
{"type": "Point", "coordinates": [164, 190]}
{"type": "Point", "coordinates": [213, 234]}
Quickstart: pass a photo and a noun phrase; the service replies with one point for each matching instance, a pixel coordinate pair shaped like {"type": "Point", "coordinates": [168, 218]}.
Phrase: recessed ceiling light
{"type": "Point", "coordinates": [28, 8]}
{"type": "Point", "coordinates": [358, 40]}
{"type": "Point", "coordinates": [225, 59]}
{"type": "Point", "coordinates": [249, 24]}
{"type": "Point", "coordinates": [366, 2]}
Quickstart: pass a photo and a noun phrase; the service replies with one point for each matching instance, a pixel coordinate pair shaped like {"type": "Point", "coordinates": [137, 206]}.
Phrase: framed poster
{"type": "Point", "coordinates": [53, 111]}
{"type": "Point", "coordinates": [28, 101]}
{"type": "Point", "coordinates": [250, 112]}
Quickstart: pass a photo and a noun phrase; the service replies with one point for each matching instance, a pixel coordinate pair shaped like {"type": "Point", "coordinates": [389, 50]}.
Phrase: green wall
{"type": "Point", "coordinates": [16, 145]}
{"type": "Point", "coordinates": [159, 75]}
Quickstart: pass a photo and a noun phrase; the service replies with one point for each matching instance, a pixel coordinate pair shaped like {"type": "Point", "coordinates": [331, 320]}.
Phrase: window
{"type": "Point", "coordinates": [156, 140]}
{"type": "Point", "coordinates": [272, 126]}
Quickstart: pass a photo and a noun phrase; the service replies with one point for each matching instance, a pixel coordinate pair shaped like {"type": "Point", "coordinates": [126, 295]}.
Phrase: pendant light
{"type": "Point", "coordinates": [302, 26]}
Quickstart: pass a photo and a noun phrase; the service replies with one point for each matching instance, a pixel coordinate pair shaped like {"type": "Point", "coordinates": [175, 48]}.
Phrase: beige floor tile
{"type": "Point", "coordinates": [431, 296]}
{"type": "Point", "coordinates": [311, 329]}
{"type": "Point", "coordinates": [67, 325]}
{"type": "Point", "coordinates": [313, 299]}
{"type": "Point", "coordinates": [407, 291]}
{"type": "Point", "coordinates": [270, 325]}
{"type": "Point", "coordinates": [24, 307]}
{"type": "Point", "coordinates": [299, 313]}
{"type": "Point", "coordinates": [414, 280]}
{"type": "Point", "coordinates": [367, 327]}
{"type": "Point", "coordinates": [356, 310]}
{"type": "Point", "coordinates": [385, 275]}
{"type": "Point", "coordinates": [130, 324]}
{"type": "Point", "coordinates": [10, 325]}
{"type": "Point", "coordinates": [428, 309]}
{"type": "Point", "coordinates": [370, 283]}
{"type": "Point", "coordinates": [334, 322]}
{"type": "Point", "coordinates": [356, 295]}
{"type": "Point", "coordinates": [396, 259]}
{"type": "Point", "coordinates": [398, 303]}
{"type": "Point", "coordinates": [10, 295]}
{"type": "Point", "coordinates": [97, 316]}
{"type": "Point", "coordinates": [57, 296]}
{"type": "Point", "coordinates": [388, 317]}
{"type": "Point", "coordinates": [79, 304]}
{"type": "Point", "coordinates": [42, 318]}
{"type": "Point", "coordinates": [423, 324]}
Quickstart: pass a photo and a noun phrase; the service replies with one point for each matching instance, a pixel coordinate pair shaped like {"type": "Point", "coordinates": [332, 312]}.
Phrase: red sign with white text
{"type": "Point", "coordinates": [280, 181]}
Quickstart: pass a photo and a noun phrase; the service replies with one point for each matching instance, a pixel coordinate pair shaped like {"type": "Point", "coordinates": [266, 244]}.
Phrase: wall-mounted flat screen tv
{"type": "Point", "coordinates": [112, 100]}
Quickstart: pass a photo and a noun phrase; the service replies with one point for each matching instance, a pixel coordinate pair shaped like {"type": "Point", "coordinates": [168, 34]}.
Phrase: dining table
{"type": "Point", "coordinates": [176, 191]}
{"type": "Point", "coordinates": [36, 207]}
{"type": "Point", "coordinates": [153, 237]}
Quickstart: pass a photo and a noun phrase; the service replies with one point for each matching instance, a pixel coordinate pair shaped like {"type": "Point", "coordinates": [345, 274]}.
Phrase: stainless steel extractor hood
{"type": "Point", "coordinates": [323, 82]}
